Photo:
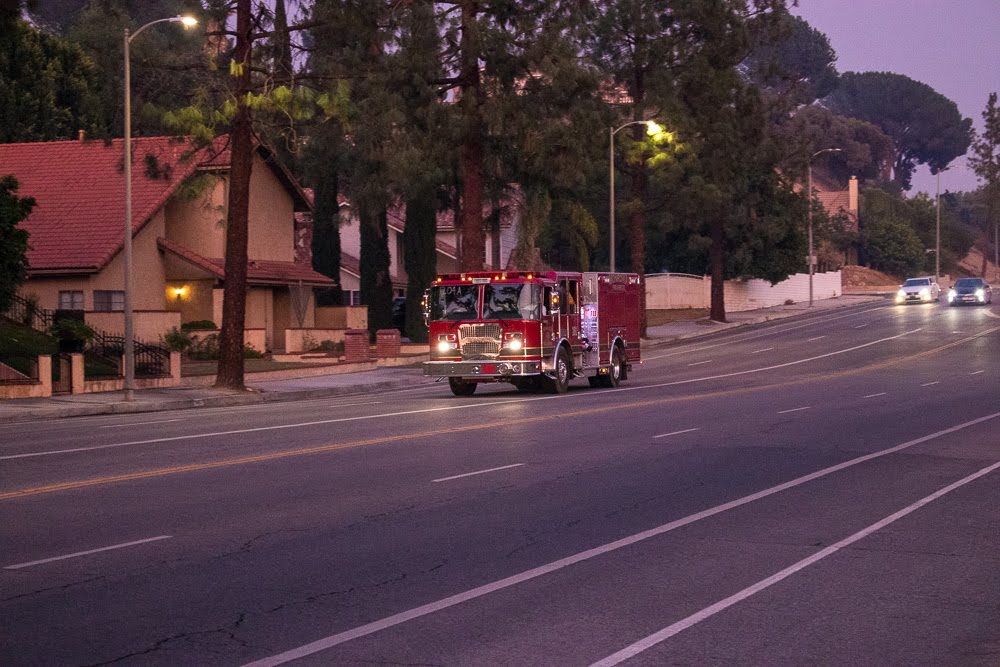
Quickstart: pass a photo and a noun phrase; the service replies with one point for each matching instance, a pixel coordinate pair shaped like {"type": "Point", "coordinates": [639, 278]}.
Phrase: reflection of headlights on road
{"type": "Point", "coordinates": [925, 294]}
{"type": "Point", "coordinates": [900, 296]}
{"type": "Point", "coordinates": [951, 295]}
{"type": "Point", "coordinates": [981, 295]}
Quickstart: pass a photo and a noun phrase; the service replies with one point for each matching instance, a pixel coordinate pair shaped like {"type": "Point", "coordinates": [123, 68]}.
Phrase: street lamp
{"type": "Point", "coordinates": [129, 343]}
{"type": "Point", "coordinates": [937, 228]}
{"type": "Point", "coordinates": [652, 129]}
{"type": "Point", "coordinates": [812, 259]}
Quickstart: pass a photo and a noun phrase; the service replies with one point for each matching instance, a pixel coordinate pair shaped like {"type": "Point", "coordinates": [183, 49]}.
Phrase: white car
{"type": "Point", "coordinates": [918, 290]}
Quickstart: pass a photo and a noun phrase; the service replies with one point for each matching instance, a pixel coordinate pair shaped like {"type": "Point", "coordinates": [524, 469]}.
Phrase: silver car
{"type": "Point", "coordinates": [970, 290]}
{"type": "Point", "coordinates": [918, 290]}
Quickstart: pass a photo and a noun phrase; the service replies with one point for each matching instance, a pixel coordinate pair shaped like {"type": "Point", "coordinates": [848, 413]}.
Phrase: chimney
{"type": "Point", "coordinates": [852, 195]}
{"type": "Point", "coordinates": [81, 135]}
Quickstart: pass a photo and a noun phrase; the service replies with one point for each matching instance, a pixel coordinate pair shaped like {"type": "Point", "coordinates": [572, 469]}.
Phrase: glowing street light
{"type": "Point", "coordinates": [129, 384]}
{"type": "Point", "coordinates": [653, 130]}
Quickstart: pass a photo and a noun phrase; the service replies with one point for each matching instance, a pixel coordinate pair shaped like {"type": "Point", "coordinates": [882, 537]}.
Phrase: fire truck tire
{"type": "Point", "coordinates": [616, 371]}
{"type": "Point", "coordinates": [559, 382]}
{"type": "Point", "coordinates": [460, 387]}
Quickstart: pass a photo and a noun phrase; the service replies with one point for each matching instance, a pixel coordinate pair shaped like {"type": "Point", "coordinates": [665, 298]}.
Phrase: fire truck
{"type": "Point", "coordinates": [535, 330]}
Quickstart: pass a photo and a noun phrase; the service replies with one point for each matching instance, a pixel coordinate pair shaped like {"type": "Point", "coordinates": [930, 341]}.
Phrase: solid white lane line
{"type": "Point", "coordinates": [480, 591]}
{"type": "Point", "coordinates": [782, 412]}
{"type": "Point", "coordinates": [809, 340]}
{"type": "Point", "coordinates": [976, 372]}
{"type": "Point", "coordinates": [881, 393]}
{"type": "Point", "coordinates": [742, 338]}
{"type": "Point", "coordinates": [88, 552]}
{"type": "Point", "coordinates": [699, 363]}
{"type": "Point", "coordinates": [478, 472]}
{"type": "Point", "coordinates": [706, 613]}
{"type": "Point", "coordinates": [463, 406]}
{"type": "Point", "coordinates": [861, 326]}
{"type": "Point", "coordinates": [665, 435]}
{"type": "Point", "coordinates": [161, 421]}
{"type": "Point", "coordinates": [927, 384]}
{"type": "Point", "coordinates": [766, 349]}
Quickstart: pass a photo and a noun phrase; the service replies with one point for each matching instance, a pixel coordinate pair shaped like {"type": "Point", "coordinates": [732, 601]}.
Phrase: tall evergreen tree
{"type": "Point", "coordinates": [46, 86]}
{"type": "Point", "coordinates": [985, 161]}
{"type": "Point", "coordinates": [13, 240]}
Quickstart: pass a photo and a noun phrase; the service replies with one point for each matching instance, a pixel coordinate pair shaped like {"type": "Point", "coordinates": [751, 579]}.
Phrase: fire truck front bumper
{"type": "Point", "coordinates": [487, 370]}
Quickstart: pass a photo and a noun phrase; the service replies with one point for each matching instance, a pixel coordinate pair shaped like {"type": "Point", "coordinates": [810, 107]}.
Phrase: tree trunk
{"type": "Point", "coordinates": [717, 259]}
{"type": "Point", "coordinates": [420, 259]}
{"type": "Point", "coordinates": [473, 251]}
{"type": "Point", "coordinates": [234, 300]}
{"type": "Point", "coordinates": [637, 236]}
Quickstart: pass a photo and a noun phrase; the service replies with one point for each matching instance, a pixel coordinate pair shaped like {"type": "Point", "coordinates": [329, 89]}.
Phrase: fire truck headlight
{"type": "Point", "coordinates": [513, 342]}
{"type": "Point", "coordinates": [447, 342]}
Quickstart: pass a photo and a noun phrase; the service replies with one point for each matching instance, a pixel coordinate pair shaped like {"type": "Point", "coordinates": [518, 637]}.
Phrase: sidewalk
{"type": "Point", "coordinates": [340, 383]}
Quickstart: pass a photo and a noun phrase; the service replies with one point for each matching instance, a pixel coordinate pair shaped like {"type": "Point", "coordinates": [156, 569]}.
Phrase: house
{"type": "Point", "coordinates": [179, 203]}
{"type": "Point", "coordinates": [838, 202]}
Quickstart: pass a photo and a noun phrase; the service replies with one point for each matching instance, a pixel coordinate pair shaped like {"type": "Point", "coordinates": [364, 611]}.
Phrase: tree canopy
{"type": "Point", "coordinates": [925, 126]}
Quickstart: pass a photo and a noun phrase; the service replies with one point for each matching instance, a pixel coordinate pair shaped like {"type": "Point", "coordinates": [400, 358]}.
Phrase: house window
{"type": "Point", "coordinates": [354, 297]}
{"type": "Point", "coordinates": [109, 300]}
{"type": "Point", "coordinates": [71, 300]}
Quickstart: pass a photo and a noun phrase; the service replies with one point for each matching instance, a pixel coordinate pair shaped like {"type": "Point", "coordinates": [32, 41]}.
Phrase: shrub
{"type": "Point", "coordinates": [177, 340]}
{"type": "Point", "coordinates": [198, 325]}
{"type": "Point", "coordinates": [71, 333]}
{"type": "Point", "coordinates": [250, 352]}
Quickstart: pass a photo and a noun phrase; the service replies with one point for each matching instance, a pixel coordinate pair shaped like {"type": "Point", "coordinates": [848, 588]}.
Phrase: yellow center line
{"type": "Point", "coordinates": [332, 447]}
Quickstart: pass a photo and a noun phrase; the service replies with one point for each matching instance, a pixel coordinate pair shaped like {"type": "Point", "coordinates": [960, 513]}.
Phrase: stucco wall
{"type": "Point", "coordinates": [198, 222]}
{"type": "Point", "coordinates": [665, 291]}
{"type": "Point", "coordinates": [147, 275]}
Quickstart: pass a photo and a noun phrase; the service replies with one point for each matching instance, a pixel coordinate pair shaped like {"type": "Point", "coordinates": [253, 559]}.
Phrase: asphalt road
{"type": "Point", "coordinates": [820, 490]}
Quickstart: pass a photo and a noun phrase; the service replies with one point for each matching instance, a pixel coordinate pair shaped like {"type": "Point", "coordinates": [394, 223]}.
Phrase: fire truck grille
{"type": "Point", "coordinates": [479, 341]}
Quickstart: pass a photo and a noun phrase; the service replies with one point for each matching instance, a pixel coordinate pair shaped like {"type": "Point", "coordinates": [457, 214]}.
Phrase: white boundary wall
{"type": "Point", "coordinates": [665, 291]}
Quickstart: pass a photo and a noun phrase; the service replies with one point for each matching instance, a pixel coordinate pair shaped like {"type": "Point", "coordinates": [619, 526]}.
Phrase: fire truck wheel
{"type": "Point", "coordinates": [615, 373]}
{"type": "Point", "coordinates": [559, 382]}
{"type": "Point", "coordinates": [460, 387]}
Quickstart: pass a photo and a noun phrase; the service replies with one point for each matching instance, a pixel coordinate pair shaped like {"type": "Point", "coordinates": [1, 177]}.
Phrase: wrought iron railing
{"type": "Point", "coordinates": [26, 312]}
{"type": "Point", "coordinates": [151, 360]}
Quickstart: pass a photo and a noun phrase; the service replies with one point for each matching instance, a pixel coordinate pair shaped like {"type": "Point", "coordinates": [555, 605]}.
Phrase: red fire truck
{"type": "Point", "coordinates": [535, 330]}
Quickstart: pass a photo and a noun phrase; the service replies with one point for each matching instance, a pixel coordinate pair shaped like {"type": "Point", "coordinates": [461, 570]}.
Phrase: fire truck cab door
{"type": "Point", "coordinates": [569, 313]}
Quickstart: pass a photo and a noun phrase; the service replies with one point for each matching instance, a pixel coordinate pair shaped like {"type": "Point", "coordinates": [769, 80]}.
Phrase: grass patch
{"type": "Point", "coordinates": [658, 317]}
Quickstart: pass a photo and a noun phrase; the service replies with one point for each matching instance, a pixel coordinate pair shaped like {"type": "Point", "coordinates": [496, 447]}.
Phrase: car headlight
{"type": "Point", "coordinates": [900, 296]}
{"type": "Point", "coordinates": [925, 294]}
{"type": "Point", "coordinates": [981, 294]}
{"type": "Point", "coordinates": [951, 295]}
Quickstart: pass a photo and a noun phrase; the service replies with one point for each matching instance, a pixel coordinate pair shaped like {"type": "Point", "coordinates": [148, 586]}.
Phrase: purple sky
{"type": "Point", "coordinates": [951, 45]}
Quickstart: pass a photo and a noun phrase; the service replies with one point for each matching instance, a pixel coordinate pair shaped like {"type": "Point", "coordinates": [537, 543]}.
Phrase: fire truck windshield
{"type": "Point", "coordinates": [511, 301]}
{"type": "Point", "coordinates": [454, 302]}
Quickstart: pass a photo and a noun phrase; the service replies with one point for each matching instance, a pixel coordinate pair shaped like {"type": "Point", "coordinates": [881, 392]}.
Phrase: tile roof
{"type": "Point", "coordinates": [259, 271]}
{"type": "Point", "coordinates": [79, 186]}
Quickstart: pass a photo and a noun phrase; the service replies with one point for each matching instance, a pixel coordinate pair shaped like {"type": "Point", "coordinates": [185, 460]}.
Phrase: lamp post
{"type": "Point", "coordinates": [811, 259]}
{"type": "Point", "coordinates": [651, 128]}
{"type": "Point", "coordinates": [937, 228]}
{"type": "Point", "coordinates": [129, 342]}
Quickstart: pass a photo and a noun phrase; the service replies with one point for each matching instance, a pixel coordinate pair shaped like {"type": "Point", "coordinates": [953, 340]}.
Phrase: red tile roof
{"type": "Point", "coordinates": [78, 223]}
{"type": "Point", "coordinates": [259, 272]}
